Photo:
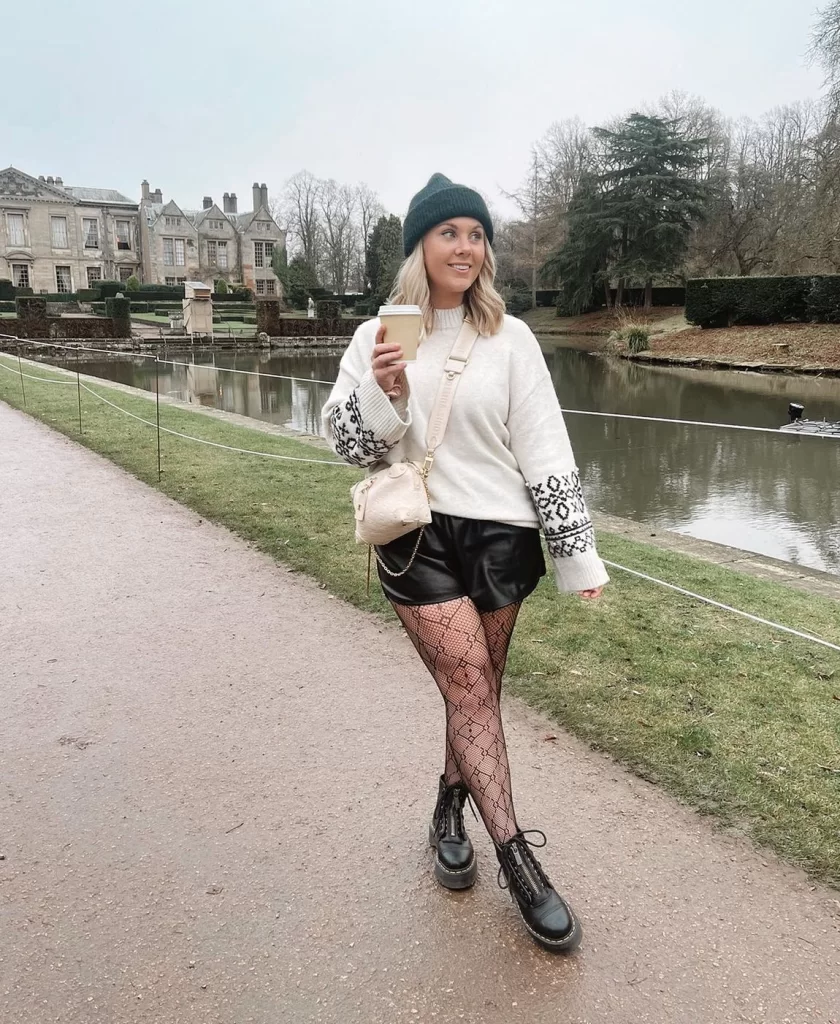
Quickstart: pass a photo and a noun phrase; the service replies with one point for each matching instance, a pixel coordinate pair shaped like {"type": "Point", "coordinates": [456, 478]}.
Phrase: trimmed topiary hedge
{"type": "Point", "coordinates": [824, 300]}
{"type": "Point", "coordinates": [108, 289]}
{"type": "Point", "coordinates": [33, 321]}
{"type": "Point", "coordinates": [729, 301]}
{"type": "Point", "coordinates": [7, 307]}
{"type": "Point", "coordinates": [7, 290]}
{"type": "Point", "coordinates": [119, 310]}
{"type": "Point", "coordinates": [328, 309]}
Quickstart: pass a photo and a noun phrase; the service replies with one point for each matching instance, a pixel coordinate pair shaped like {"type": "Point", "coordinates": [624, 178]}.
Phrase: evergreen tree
{"type": "Point", "coordinates": [302, 281]}
{"type": "Point", "coordinates": [581, 265]}
{"type": "Point", "coordinates": [383, 257]}
{"type": "Point", "coordinates": [280, 266]}
{"type": "Point", "coordinates": [632, 221]}
{"type": "Point", "coordinates": [652, 193]}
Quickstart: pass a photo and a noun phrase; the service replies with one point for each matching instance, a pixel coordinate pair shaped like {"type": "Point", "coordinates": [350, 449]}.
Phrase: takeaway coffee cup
{"type": "Point", "coordinates": [403, 327]}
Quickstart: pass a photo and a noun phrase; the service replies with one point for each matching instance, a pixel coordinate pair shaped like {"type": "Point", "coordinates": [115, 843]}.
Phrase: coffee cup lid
{"type": "Point", "coordinates": [400, 311]}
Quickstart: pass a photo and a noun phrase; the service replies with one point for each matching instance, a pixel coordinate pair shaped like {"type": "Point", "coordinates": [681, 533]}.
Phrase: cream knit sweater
{"type": "Point", "coordinates": [506, 454]}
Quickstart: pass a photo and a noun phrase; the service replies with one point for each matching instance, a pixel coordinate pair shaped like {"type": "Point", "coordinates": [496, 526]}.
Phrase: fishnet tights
{"type": "Point", "coordinates": [466, 651]}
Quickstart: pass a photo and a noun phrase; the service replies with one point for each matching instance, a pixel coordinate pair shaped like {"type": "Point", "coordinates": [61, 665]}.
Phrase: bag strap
{"type": "Point", "coordinates": [455, 365]}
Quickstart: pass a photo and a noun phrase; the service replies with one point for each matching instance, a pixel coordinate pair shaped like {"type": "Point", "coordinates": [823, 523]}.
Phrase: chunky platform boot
{"type": "Point", "coordinates": [547, 916]}
{"type": "Point", "coordinates": [455, 860]}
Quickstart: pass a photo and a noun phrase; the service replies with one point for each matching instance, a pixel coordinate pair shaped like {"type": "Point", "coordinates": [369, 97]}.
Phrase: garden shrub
{"type": "Point", "coordinates": [328, 309]}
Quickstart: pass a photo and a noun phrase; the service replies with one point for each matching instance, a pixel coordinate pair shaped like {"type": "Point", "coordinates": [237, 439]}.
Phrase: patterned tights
{"type": "Point", "coordinates": [466, 650]}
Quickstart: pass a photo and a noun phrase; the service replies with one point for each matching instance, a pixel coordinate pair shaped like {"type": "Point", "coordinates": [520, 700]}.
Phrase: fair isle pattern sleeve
{"type": "Point", "coordinates": [562, 510]}
{"type": "Point", "coordinates": [360, 421]}
{"type": "Point", "coordinates": [541, 446]}
{"type": "Point", "coordinates": [351, 440]}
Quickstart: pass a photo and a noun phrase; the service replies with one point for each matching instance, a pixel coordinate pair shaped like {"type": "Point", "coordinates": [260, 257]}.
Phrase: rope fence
{"type": "Point", "coordinates": [779, 627]}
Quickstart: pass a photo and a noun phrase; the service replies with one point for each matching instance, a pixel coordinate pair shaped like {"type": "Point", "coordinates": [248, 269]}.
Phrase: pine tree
{"type": "Point", "coordinates": [652, 192]}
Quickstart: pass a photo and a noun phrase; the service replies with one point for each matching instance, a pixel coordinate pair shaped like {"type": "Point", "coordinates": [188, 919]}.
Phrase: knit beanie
{"type": "Point", "coordinates": [439, 201]}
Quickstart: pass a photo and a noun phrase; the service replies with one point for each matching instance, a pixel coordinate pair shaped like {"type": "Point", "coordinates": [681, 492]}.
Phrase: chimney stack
{"type": "Point", "coordinates": [208, 202]}
{"type": "Point", "coordinates": [255, 188]}
{"type": "Point", "coordinates": [229, 200]}
{"type": "Point", "coordinates": [144, 190]}
{"type": "Point", "coordinates": [264, 195]}
{"type": "Point", "coordinates": [157, 196]}
{"type": "Point", "coordinates": [233, 202]}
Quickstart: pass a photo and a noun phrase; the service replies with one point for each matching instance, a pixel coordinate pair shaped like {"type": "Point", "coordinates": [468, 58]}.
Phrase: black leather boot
{"type": "Point", "coordinates": [455, 861]}
{"type": "Point", "coordinates": [546, 915]}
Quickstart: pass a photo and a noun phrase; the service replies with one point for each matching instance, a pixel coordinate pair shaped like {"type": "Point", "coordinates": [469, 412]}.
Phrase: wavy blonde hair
{"type": "Point", "coordinates": [484, 307]}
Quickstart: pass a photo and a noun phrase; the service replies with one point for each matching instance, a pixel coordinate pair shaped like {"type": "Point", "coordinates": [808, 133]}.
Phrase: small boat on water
{"type": "Point", "coordinates": [798, 425]}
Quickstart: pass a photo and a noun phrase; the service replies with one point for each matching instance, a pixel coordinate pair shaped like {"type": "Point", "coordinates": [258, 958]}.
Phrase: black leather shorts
{"type": "Point", "coordinates": [493, 564]}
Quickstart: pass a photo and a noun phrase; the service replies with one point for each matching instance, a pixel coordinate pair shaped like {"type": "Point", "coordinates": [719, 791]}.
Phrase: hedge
{"type": "Point", "coordinates": [824, 299]}
{"type": "Point", "coordinates": [7, 307]}
{"type": "Point", "coordinates": [108, 289]}
{"type": "Point", "coordinates": [7, 290]}
{"type": "Point", "coordinates": [32, 319]}
{"type": "Point", "coordinates": [328, 309]}
{"type": "Point", "coordinates": [664, 296]}
{"type": "Point", "coordinates": [728, 301]}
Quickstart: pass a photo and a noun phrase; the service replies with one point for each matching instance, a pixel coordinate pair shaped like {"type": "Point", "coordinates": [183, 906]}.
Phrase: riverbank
{"type": "Point", "coordinates": [780, 348]}
{"type": "Point", "coordinates": [736, 719]}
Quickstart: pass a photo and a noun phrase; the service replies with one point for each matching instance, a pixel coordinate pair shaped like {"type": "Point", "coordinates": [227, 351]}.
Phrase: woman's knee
{"type": "Point", "coordinates": [472, 685]}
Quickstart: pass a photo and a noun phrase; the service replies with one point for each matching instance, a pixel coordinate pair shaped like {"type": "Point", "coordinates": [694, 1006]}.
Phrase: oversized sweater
{"type": "Point", "coordinates": [506, 455]}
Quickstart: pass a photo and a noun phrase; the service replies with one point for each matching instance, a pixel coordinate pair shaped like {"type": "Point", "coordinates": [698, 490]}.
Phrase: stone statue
{"type": "Point", "coordinates": [310, 308]}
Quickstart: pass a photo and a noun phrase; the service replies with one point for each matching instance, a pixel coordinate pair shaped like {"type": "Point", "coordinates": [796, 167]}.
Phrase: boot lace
{"type": "Point", "coordinates": [517, 859]}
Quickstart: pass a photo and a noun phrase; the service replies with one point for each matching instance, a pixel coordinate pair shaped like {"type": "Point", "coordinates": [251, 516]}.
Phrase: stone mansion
{"type": "Point", "coordinates": [61, 238]}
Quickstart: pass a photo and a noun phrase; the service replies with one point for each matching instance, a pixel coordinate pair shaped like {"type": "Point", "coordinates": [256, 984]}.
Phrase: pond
{"type": "Point", "coordinates": [775, 494]}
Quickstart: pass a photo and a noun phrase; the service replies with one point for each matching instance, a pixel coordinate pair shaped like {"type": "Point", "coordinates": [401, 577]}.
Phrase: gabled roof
{"type": "Point", "coordinates": [104, 196]}
{"type": "Point", "coordinates": [245, 220]}
{"type": "Point", "coordinates": [171, 209]}
{"type": "Point", "coordinates": [20, 185]}
{"type": "Point", "coordinates": [199, 216]}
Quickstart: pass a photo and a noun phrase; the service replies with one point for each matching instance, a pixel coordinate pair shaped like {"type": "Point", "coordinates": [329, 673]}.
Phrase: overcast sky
{"type": "Point", "coordinates": [204, 98]}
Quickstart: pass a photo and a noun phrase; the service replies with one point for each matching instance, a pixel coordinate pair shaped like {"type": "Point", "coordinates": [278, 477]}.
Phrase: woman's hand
{"type": "Point", "coordinates": [387, 365]}
{"type": "Point", "coordinates": [590, 595]}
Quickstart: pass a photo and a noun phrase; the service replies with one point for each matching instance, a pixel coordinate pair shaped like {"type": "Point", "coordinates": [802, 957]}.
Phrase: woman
{"type": "Point", "coordinates": [504, 468]}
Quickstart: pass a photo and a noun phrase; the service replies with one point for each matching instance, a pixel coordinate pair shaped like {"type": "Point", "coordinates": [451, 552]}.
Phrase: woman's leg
{"type": "Point", "coordinates": [498, 629]}
{"type": "Point", "coordinates": [451, 640]}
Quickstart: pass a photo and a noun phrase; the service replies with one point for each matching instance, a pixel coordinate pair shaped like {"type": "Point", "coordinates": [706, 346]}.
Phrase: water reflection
{"type": "Point", "coordinates": [772, 493]}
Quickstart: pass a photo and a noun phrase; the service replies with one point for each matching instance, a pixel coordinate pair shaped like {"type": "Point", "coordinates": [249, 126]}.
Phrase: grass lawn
{"type": "Point", "coordinates": [739, 721]}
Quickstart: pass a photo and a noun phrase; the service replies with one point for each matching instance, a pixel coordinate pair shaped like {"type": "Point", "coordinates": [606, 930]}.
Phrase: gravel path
{"type": "Point", "coordinates": [216, 781]}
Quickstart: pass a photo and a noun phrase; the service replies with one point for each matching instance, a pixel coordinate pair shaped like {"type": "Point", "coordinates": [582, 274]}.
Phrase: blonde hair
{"type": "Point", "coordinates": [484, 307]}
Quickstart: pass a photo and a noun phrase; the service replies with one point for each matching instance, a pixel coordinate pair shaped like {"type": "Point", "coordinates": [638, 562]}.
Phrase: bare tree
{"type": "Point", "coordinates": [533, 238]}
{"type": "Point", "coordinates": [566, 153]}
{"type": "Point", "coordinates": [825, 51]}
{"type": "Point", "coordinates": [301, 203]}
{"type": "Point", "coordinates": [337, 205]}
{"type": "Point", "coordinates": [369, 210]}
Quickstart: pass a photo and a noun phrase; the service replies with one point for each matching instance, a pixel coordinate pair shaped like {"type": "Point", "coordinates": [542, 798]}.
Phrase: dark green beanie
{"type": "Point", "coordinates": [441, 200]}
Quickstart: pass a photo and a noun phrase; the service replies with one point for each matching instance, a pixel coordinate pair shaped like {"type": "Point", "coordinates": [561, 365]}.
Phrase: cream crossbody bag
{"type": "Point", "coordinates": [394, 501]}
